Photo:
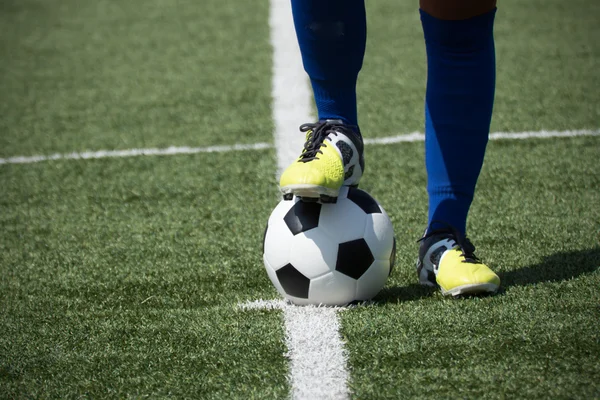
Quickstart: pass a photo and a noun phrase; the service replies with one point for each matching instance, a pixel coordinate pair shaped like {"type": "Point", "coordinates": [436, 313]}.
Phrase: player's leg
{"type": "Point", "coordinates": [332, 37]}
{"type": "Point", "coordinates": [459, 101]}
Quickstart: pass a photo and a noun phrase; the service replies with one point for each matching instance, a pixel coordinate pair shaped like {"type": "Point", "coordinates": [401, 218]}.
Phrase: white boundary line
{"type": "Point", "coordinates": [290, 88]}
{"type": "Point", "coordinates": [419, 136]}
{"type": "Point", "coordinates": [168, 151]}
{"type": "Point", "coordinates": [173, 150]}
{"type": "Point", "coordinates": [544, 134]}
{"type": "Point", "coordinates": [318, 361]}
{"type": "Point", "coordinates": [315, 350]}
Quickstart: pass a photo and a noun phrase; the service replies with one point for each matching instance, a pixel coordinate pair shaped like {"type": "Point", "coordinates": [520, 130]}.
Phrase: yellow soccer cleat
{"type": "Point", "coordinates": [447, 259]}
{"type": "Point", "coordinates": [332, 157]}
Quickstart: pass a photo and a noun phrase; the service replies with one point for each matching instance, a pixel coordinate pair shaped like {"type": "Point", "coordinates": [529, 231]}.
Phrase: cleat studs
{"type": "Point", "coordinates": [322, 198]}
{"type": "Point", "coordinates": [325, 199]}
{"type": "Point", "coordinates": [308, 199]}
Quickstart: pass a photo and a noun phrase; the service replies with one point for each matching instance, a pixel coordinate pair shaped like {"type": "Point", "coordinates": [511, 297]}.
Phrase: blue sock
{"type": "Point", "coordinates": [461, 75]}
{"type": "Point", "coordinates": [332, 36]}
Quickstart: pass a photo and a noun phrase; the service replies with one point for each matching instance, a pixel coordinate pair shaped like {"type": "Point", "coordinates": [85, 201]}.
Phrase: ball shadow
{"type": "Point", "coordinates": [397, 294]}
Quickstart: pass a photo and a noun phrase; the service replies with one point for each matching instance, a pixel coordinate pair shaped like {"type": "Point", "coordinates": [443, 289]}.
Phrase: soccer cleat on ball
{"type": "Point", "coordinates": [447, 259]}
{"type": "Point", "coordinates": [329, 254]}
{"type": "Point", "coordinates": [332, 157]}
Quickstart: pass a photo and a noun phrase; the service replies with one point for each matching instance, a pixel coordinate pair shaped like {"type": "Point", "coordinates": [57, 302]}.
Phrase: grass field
{"type": "Point", "coordinates": [121, 277]}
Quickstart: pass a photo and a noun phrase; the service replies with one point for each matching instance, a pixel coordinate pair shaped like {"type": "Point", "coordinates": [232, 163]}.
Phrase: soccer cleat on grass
{"type": "Point", "coordinates": [332, 157]}
{"type": "Point", "coordinates": [447, 259]}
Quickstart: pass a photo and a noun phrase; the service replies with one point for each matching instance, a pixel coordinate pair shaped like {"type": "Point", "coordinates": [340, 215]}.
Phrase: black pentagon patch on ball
{"type": "Point", "coordinates": [354, 258]}
{"type": "Point", "coordinates": [364, 201]}
{"type": "Point", "coordinates": [293, 282]}
{"type": "Point", "coordinates": [302, 217]}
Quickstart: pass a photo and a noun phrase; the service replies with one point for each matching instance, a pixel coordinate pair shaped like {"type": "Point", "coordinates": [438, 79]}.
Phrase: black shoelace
{"type": "Point", "coordinates": [319, 132]}
{"type": "Point", "coordinates": [467, 248]}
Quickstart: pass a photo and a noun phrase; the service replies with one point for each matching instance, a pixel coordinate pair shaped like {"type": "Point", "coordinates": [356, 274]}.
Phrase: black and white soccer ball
{"type": "Point", "coordinates": [329, 254]}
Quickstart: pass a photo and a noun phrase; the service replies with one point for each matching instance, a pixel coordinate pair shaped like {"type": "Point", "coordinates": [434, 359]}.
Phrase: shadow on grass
{"type": "Point", "coordinates": [397, 294]}
{"type": "Point", "coordinates": [554, 268]}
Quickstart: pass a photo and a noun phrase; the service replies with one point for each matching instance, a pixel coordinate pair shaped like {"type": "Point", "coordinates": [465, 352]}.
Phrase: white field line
{"type": "Point", "coordinates": [316, 353]}
{"type": "Point", "coordinates": [544, 134]}
{"type": "Point", "coordinates": [315, 349]}
{"type": "Point", "coordinates": [168, 151]}
{"type": "Point", "coordinates": [290, 88]}
{"type": "Point", "coordinates": [171, 151]}
{"type": "Point", "coordinates": [419, 137]}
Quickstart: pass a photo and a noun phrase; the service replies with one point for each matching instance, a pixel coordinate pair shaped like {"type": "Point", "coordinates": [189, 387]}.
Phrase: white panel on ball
{"type": "Point", "coordinates": [379, 235]}
{"type": "Point", "coordinates": [343, 221]}
{"type": "Point", "coordinates": [372, 281]}
{"type": "Point", "coordinates": [312, 253]}
{"type": "Point", "coordinates": [279, 212]}
{"type": "Point", "coordinates": [273, 276]}
{"type": "Point", "coordinates": [278, 241]}
{"type": "Point", "coordinates": [332, 289]}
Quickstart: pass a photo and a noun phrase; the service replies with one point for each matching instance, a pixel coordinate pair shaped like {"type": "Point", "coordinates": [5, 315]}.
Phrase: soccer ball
{"type": "Point", "coordinates": [329, 254]}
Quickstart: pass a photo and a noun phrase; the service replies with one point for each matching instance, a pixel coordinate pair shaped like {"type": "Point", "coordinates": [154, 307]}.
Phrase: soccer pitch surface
{"type": "Point", "coordinates": [121, 277]}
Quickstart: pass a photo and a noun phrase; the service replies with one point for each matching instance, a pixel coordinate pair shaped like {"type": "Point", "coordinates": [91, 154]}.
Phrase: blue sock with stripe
{"type": "Point", "coordinates": [461, 69]}
{"type": "Point", "coordinates": [332, 36]}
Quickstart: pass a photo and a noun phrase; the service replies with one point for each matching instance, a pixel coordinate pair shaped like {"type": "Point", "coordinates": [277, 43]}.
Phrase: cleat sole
{"type": "Point", "coordinates": [324, 199]}
{"type": "Point", "coordinates": [476, 288]}
{"type": "Point", "coordinates": [309, 199]}
{"type": "Point", "coordinates": [309, 193]}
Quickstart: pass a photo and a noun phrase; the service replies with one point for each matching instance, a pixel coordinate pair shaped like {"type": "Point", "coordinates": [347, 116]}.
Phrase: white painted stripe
{"type": "Point", "coordinates": [419, 136]}
{"type": "Point", "coordinates": [411, 137]}
{"type": "Point", "coordinates": [263, 305]}
{"type": "Point", "coordinates": [543, 134]}
{"type": "Point", "coordinates": [290, 87]}
{"type": "Point", "coordinates": [170, 151]}
{"type": "Point", "coordinates": [315, 350]}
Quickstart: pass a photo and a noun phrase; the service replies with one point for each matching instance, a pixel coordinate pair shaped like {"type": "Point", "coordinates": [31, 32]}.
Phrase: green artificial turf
{"type": "Point", "coordinates": [109, 74]}
{"type": "Point", "coordinates": [121, 277]}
